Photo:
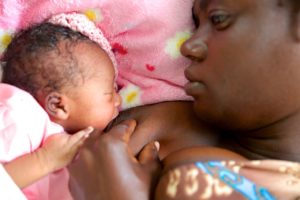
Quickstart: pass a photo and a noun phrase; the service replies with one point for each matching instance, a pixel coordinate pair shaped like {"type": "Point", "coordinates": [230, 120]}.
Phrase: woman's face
{"type": "Point", "coordinates": [246, 63]}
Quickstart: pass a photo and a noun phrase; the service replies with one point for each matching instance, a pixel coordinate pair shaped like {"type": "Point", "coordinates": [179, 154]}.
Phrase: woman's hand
{"type": "Point", "coordinates": [107, 169]}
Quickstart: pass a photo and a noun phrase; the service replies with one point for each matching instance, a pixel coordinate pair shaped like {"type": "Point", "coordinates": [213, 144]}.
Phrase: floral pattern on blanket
{"type": "Point", "coordinates": [145, 38]}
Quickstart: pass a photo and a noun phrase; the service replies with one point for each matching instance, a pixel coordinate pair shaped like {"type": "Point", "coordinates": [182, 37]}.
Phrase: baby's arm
{"type": "Point", "coordinates": [8, 188]}
{"type": "Point", "coordinates": [57, 152]}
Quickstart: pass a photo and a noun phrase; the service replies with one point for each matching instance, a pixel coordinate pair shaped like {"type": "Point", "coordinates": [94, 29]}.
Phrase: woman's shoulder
{"type": "Point", "coordinates": [202, 154]}
{"type": "Point", "coordinates": [214, 173]}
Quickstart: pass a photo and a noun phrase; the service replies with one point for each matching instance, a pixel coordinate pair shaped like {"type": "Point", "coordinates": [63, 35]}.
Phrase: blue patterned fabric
{"type": "Point", "coordinates": [237, 182]}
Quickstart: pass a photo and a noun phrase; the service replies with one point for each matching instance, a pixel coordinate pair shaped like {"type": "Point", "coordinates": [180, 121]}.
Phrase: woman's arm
{"type": "Point", "coordinates": [199, 154]}
{"type": "Point", "coordinates": [107, 169]}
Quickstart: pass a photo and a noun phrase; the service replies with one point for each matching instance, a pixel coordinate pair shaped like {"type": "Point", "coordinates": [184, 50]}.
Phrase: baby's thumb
{"type": "Point", "coordinates": [78, 138]}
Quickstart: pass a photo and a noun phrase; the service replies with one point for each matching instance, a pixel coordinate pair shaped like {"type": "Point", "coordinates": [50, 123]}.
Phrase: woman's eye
{"type": "Point", "coordinates": [220, 20]}
{"type": "Point", "coordinates": [196, 20]}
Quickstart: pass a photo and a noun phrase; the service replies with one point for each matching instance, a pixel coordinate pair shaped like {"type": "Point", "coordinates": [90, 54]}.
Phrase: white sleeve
{"type": "Point", "coordinates": [8, 189]}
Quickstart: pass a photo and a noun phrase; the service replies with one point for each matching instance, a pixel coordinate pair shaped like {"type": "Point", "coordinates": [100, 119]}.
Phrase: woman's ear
{"type": "Point", "coordinates": [56, 105]}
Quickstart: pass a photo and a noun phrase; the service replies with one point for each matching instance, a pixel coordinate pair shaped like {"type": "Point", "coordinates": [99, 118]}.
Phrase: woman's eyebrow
{"type": "Point", "coordinates": [204, 4]}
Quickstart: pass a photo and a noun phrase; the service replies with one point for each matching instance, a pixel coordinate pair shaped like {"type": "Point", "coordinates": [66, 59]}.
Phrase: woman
{"type": "Point", "coordinates": [245, 82]}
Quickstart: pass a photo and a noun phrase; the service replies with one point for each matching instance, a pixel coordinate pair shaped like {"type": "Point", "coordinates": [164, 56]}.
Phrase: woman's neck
{"type": "Point", "coordinates": [277, 141]}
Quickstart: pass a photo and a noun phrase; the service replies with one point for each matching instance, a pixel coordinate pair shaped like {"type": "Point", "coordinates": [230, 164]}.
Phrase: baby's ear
{"type": "Point", "coordinates": [56, 106]}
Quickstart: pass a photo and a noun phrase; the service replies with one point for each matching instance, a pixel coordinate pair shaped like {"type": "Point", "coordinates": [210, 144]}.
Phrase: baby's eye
{"type": "Point", "coordinates": [220, 20]}
{"type": "Point", "coordinates": [109, 95]}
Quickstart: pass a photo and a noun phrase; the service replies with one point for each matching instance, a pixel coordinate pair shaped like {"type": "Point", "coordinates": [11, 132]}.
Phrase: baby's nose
{"type": "Point", "coordinates": [117, 99]}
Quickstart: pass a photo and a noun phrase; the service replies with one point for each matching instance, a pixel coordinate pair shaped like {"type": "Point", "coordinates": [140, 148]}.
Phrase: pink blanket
{"type": "Point", "coordinates": [145, 36]}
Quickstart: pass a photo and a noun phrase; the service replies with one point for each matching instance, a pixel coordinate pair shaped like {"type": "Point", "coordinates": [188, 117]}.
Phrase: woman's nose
{"type": "Point", "coordinates": [194, 48]}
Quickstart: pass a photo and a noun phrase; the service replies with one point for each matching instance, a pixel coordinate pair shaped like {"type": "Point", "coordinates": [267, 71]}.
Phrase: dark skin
{"type": "Point", "coordinates": [233, 80]}
{"type": "Point", "coordinates": [245, 82]}
{"type": "Point", "coordinates": [154, 125]}
{"type": "Point", "coordinates": [114, 143]}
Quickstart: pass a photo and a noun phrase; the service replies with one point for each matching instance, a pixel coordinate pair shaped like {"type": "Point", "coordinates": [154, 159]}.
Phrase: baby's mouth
{"type": "Point", "coordinates": [116, 113]}
{"type": "Point", "coordinates": [113, 121]}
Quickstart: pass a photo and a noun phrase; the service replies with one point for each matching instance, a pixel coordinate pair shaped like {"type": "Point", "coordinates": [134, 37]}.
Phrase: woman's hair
{"type": "Point", "coordinates": [41, 58]}
{"type": "Point", "coordinates": [295, 8]}
{"type": "Point", "coordinates": [295, 5]}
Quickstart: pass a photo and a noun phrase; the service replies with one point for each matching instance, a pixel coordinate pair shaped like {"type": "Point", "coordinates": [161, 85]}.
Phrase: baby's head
{"type": "Point", "coordinates": [71, 76]}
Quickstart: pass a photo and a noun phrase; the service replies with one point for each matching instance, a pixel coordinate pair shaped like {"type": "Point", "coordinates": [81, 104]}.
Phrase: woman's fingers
{"type": "Point", "coordinates": [150, 163]}
{"type": "Point", "coordinates": [122, 131]}
{"type": "Point", "coordinates": [148, 157]}
{"type": "Point", "coordinates": [130, 129]}
{"type": "Point", "coordinates": [149, 153]}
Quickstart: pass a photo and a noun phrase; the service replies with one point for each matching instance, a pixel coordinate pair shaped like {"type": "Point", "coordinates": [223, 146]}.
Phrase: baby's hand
{"type": "Point", "coordinates": [60, 149]}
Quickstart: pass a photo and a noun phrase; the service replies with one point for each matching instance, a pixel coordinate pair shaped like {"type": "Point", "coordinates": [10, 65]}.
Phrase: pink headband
{"type": "Point", "coordinates": [79, 22]}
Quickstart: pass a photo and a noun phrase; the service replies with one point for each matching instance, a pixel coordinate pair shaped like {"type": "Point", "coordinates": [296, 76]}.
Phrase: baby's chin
{"type": "Point", "coordinates": [116, 119]}
{"type": "Point", "coordinates": [110, 124]}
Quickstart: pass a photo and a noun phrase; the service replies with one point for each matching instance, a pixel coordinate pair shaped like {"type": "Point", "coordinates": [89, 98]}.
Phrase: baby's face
{"type": "Point", "coordinates": [95, 102]}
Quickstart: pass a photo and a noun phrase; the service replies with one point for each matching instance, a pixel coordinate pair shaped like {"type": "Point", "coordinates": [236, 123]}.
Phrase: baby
{"type": "Point", "coordinates": [67, 65]}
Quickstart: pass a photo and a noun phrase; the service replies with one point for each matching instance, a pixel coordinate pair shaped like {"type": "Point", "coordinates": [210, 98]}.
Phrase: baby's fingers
{"type": "Point", "coordinates": [78, 138]}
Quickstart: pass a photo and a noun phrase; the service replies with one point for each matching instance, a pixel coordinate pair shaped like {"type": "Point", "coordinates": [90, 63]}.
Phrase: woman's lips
{"type": "Point", "coordinates": [194, 88]}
